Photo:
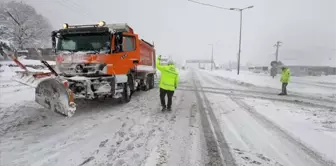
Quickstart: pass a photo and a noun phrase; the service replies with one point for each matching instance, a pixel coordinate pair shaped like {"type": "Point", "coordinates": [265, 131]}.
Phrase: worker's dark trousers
{"type": "Point", "coordinates": [163, 93]}
{"type": "Point", "coordinates": [284, 88]}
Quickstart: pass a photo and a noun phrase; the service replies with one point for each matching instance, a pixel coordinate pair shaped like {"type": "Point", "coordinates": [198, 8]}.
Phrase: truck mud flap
{"type": "Point", "coordinates": [52, 94]}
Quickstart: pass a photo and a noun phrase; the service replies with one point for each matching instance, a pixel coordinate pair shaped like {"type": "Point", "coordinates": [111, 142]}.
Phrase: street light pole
{"type": "Point", "coordinates": [240, 33]}
{"type": "Point", "coordinates": [241, 23]}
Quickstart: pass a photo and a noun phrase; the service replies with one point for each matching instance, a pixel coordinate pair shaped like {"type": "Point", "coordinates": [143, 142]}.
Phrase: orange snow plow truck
{"type": "Point", "coordinates": [92, 61]}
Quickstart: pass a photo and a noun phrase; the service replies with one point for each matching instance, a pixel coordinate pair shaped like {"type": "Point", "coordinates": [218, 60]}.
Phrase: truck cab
{"type": "Point", "coordinates": [101, 59]}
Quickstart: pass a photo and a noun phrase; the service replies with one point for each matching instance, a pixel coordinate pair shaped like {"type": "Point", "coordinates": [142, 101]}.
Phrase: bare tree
{"type": "Point", "coordinates": [26, 29]}
{"type": "Point", "coordinates": [4, 49]}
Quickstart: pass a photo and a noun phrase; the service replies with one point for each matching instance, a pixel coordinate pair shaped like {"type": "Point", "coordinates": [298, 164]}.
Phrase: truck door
{"type": "Point", "coordinates": [125, 52]}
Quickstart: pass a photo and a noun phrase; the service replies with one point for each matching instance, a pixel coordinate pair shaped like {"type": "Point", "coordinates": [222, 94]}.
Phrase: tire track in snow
{"type": "Point", "coordinates": [256, 89]}
{"type": "Point", "coordinates": [188, 137]}
{"type": "Point", "coordinates": [168, 119]}
{"type": "Point", "coordinates": [272, 126]}
{"type": "Point", "coordinates": [157, 154]}
{"type": "Point", "coordinates": [328, 105]}
{"type": "Point", "coordinates": [148, 131]}
{"type": "Point", "coordinates": [181, 132]}
{"type": "Point", "coordinates": [246, 92]}
{"type": "Point", "coordinates": [316, 156]}
{"type": "Point", "coordinates": [218, 149]}
{"type": "Point", "coordinates": [132, 135]}
{"type": "Point", "coordinates": [87, 126]}
{"type": "Point", "coordinates": [175, 136]}
{"type": "Point", "coordinates": [333, 87]}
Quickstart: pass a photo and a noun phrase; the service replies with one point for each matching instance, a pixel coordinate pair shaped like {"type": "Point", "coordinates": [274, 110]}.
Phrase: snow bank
{"type": "Point", "coordinates": [313, 126]}
{"type": "Point", "coordinates": [6, 71]}
{"type": "Point", "coordinates": [7, 42]}
{"type": "Point", "coordinates": [322, 85]}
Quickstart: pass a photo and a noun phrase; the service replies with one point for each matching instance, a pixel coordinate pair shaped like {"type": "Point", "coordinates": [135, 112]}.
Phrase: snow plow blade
{"type": "Point", "coordinates": [51, 91]}
{"type": "Point", "coordinates": [54, 95]}
{"type": "Point", "coordinates": [31, 79]}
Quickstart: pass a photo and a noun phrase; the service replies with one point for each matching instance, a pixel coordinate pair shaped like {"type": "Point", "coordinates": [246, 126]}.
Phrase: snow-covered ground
{"type": "Point", "coordinates": [311, 85]}
{"type": "Point", "coordinates": [100, 133]}
{"type": "Point", "coordinates": [215, 121]}
{"type": "Point", "coordinates": [293, 133]}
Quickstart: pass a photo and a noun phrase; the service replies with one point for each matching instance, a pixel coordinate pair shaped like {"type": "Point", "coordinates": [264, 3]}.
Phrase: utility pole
{"type": "Point", "coordinates": [277, 45]}
{"type": "Point", "coordinates": [212, 54]}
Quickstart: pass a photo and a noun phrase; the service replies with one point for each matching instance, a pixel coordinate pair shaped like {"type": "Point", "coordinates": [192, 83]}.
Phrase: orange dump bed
{"type": "Point", "coordinates": [147, 57]}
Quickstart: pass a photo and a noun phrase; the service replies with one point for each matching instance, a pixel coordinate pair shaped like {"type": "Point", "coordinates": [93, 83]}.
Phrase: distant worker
{"type": "Point", "coordinates": [285, 77]}
{"type": "Point", "coordinates": [168, 82]}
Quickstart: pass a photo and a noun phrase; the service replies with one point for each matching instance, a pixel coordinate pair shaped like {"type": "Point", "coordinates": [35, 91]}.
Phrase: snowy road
{"type": "Point", "coordinates": [213, 122]}
{"type": "Point", "coordinates": [104, 133]}
{"type": "Point", "coordinates": [246, 130]}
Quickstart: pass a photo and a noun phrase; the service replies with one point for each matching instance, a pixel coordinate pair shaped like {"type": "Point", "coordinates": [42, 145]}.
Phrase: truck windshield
{"type": "Point", "coordinates": [84, 42]}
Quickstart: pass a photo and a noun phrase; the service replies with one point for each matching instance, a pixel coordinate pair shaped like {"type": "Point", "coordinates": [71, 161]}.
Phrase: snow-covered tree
{"type": "Point", "coordinates": [28, 28]}
{"type": "Point", "coordinates": [3, 49]}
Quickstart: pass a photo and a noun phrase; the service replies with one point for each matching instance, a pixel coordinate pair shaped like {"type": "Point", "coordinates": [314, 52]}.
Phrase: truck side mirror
{"type": "Point", "coordinates": [53, 41]}
{"type": "Point", "coordinates": [118, 40]}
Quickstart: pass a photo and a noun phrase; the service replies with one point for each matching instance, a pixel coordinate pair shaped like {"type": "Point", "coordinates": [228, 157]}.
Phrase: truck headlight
{"type": "Point", "coordinates": [101, 23]}
{"type": "Point", "coordinates": [65, 26]}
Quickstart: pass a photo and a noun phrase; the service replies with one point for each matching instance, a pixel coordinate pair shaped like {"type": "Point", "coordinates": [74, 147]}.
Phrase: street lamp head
{"type": "Point", "coordinates": [250, 7]}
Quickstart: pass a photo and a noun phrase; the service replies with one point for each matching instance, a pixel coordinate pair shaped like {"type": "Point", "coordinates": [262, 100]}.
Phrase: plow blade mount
{"type": "Point", "coordinates": [52, 94]}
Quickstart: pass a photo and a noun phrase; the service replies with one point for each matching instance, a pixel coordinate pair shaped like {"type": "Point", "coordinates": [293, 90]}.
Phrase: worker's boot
{"type": "Point", "coordinates": [163, 108]}
{"type": "Point", "coordinates": [169, 109]}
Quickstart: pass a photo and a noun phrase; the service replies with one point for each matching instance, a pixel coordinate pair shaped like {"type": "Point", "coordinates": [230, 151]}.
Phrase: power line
{"type": "Point", "coordinates": [63, 3]}
{"type": "Point", "coordinates": [75, 5]}
{"type": "Point", "coordinates": [240, 10]}
{"type": "Point", "coordinates": [206, 4]}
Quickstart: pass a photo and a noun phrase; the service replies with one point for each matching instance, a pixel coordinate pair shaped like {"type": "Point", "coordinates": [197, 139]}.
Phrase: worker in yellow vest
{"type": "Point", "coordinates": [285, 77]}
{"type": "Point", "coordinates": [168, 82]}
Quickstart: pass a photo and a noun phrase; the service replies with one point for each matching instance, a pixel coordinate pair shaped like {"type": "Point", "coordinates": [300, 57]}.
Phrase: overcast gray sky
{"type": "Point", "coordinates": [183, 29]}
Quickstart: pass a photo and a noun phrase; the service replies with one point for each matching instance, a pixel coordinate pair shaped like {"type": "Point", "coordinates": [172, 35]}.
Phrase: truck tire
{"type": "Point", "coordinates": [130, 81]}
{"type": "Point", "coordinates": [151, 81]}
{"type": "Point", "coordinates": [126, 95]}
{"type": "Point", "coordinates": [146, 87]}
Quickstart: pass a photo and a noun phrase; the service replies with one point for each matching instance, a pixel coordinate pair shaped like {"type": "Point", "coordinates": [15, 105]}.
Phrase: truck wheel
{"type": "Point", "coordinates": [126, 96]}
{"type": "Point", "coordinates": [151, 81]}
{"type": "Point", "coordinates": [147, 86]}
{"type": "Point", "coordinates": [130, 82]}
